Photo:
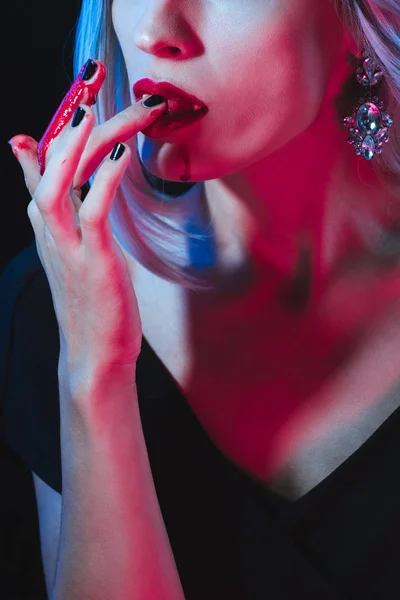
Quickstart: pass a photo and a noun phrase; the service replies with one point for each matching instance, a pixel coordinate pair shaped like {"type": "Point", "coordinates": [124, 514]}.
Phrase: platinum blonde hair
{"type": "Point", "coordinates": [166, 230]}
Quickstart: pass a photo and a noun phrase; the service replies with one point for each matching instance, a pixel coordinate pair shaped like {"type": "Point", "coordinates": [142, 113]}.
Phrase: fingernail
{"type": "Point", "coordinates": [118, 151]}
{"type": "Point", "coordinates": [78, 116]}
{"type": "Point", "coordinates": [153, 101]}
{"type": "Point", "coordinates": [90, 69]}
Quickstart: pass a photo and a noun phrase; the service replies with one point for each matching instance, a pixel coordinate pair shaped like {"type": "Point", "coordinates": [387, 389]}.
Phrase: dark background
{"type": "Point", "coordinates": [36, 73]}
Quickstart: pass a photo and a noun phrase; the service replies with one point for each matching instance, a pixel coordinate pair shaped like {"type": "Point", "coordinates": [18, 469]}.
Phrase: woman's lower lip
{"type": "Point", "coordinates": [168, 123]}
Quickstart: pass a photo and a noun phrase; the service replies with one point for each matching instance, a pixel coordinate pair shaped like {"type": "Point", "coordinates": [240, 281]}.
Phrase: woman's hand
{"type": "Point", "coordinates": [93, 296]}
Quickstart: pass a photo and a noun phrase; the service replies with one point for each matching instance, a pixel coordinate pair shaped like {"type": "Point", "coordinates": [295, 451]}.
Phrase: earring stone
{"type": "Point", "coordinates": [369, 124]}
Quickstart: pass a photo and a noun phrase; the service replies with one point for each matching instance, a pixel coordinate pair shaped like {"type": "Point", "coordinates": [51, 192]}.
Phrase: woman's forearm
{"type": "Point", "coordinates": [113, 542]}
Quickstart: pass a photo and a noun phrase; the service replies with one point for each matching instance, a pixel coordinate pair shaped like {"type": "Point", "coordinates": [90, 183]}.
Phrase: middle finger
{"type": "Point", "coordinates": [119, 128]}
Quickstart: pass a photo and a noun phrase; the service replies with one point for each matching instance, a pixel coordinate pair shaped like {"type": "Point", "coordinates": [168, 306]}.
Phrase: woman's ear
{"type": "Point", "coordinates": [350, 45]}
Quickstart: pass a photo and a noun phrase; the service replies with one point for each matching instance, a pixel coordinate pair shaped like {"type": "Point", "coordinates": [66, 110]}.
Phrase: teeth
{"type": "Point", "coordinates": [145, 96]}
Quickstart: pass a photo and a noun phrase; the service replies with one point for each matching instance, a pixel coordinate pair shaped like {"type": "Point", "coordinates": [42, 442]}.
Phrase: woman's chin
{"type": "Point", "coordinates": [174, 175]}
{"type": "Point", "coordinates": [174, 161]}
{"type": "Point", "coordinates": [164, 162]}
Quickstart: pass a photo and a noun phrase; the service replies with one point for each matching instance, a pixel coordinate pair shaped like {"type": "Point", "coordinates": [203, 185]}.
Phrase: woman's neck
{"type": "Point", "coordinates": [312, 196]}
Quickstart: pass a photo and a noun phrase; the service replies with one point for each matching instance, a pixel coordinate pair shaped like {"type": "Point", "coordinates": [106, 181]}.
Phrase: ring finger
{"type": "Point", "coordinates": [53, 194]}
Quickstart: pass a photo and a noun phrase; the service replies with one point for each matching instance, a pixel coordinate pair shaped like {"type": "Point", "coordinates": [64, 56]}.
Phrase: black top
{"type": "Point", "coordinates": [231, 538]}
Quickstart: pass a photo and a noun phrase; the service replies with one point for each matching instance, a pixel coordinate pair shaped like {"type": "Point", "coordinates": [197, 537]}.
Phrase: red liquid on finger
{"type": "Point", "coordinates": [20, 143]}
{"type": "Point", "coordinates": [80, 92]}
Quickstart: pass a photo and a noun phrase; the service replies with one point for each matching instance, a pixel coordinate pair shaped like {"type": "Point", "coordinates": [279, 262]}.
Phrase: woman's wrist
{"type": "Point", "coordinates": [97, 386]}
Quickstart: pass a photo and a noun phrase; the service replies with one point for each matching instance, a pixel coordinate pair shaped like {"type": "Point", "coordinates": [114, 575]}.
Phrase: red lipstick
{"type": "Point", "coordinates": [183, 108]}
{"type": "Point", "coordinates": [83, 90]}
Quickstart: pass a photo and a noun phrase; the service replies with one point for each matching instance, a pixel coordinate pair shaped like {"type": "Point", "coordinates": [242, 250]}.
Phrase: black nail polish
{"type": "Point", "coordinates": [153, 101]}
{"type": "Point", "coordinates": [90, 69]}
{"type": "Point", "coordinates": [78, 116]}
{"type": "Point", "coordinates": [118, 151]}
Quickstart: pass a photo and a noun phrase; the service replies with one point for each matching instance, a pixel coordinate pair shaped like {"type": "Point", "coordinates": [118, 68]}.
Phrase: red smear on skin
{"type": "Point", "coordinates": [20, 142]}
{"type": "Point", "coordinates": [24, 145]}
{"type": "Point", "coordinates": [80, 92]}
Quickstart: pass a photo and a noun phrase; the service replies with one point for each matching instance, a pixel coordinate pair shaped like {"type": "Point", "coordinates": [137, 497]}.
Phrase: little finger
{"type": "Point", "coordinates": [97, 235]}
{"type": "Point", "coordinates": [24, 150]}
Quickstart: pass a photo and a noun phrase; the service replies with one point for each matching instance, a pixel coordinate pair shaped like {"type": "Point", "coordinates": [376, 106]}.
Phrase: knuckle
{"type": "Point", "coordinates": [106, 175]}
{"type": "Point", "coordinates": [90, 220]}
{"type": "Point", "coordinates": [32, 210]}
{"type": "Point", "coordinates": [53, 149]}
{"type": "Point", "coordinates": [44, 202]}
{"type": "Point", "coordinates": [125, 117]}
{"type": "Point", "coordinates": [31, 187]}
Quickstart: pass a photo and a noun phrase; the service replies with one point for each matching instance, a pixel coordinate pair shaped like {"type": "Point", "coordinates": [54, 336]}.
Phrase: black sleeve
{"type": "Point", "coordinates": [29, 352]}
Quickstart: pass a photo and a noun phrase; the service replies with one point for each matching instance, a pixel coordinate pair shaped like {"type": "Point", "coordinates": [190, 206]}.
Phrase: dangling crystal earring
{"type": "Point", "coordinates": [369, 124]}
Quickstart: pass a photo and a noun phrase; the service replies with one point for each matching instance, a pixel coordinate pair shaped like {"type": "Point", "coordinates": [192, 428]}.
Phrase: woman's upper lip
{"type": "Point", "coordinates": [184, 100]}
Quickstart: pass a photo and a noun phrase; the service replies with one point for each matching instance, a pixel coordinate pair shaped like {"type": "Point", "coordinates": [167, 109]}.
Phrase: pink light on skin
{"type": "Point", "coordinates": [80, 92]}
